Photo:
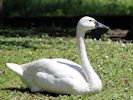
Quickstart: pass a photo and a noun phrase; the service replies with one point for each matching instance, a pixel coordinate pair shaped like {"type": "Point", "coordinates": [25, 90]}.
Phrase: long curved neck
{"type": "Point", "coordinates": [90, 74]}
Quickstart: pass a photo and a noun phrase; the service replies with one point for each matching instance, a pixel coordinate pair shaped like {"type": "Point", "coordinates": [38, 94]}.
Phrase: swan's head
{"type": "Point", "coordinates": [88, 23]}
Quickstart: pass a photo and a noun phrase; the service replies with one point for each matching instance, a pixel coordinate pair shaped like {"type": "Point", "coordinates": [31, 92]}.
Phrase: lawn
{"type": "Point", "coordinates": [113, 61]}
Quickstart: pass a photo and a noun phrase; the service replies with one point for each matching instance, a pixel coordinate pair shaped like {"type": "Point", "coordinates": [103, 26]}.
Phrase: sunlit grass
{"type": "Point", "coordinates": [113, 61]}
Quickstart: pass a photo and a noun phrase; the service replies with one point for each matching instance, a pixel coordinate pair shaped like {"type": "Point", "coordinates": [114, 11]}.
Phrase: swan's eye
{"type": "Point", "coordinates": [90, 20]}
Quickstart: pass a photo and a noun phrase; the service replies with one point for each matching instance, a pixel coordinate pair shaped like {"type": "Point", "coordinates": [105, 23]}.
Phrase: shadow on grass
{"type": "Point", "coordinates": [23, 90]}
{"type": "Point", "coordinates": [24, 44]}
{"type": "Point", "coordinates": [53, 31]}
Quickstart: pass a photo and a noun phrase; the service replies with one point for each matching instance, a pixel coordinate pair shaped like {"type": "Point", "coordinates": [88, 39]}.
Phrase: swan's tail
{"type": "Point", "coordinates": [16, 68]}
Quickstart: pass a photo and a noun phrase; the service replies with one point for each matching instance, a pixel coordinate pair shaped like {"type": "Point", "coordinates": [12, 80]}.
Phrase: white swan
{"type": "Point", "coordinates": [63, 76]}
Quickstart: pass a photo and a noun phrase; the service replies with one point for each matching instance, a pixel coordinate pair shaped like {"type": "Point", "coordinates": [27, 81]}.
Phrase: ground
{"type": "Point", "coordinates": [112, 60]}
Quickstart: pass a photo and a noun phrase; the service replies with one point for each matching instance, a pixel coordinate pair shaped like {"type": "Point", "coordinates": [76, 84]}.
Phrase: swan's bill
{"type": "Point", "coordinates": [100, 25]}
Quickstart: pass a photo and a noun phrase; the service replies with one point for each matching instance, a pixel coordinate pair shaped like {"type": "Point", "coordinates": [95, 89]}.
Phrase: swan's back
{"type": "Point", "coordinates": [57, 67]}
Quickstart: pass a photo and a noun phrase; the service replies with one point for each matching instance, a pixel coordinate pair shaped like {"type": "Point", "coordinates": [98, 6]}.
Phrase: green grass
{"type": "Point", "coordinates": [113, 61]}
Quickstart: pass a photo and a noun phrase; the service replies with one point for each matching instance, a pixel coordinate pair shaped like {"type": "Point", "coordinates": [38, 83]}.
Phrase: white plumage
{"type": "Point", "coordinates": [63, 76]}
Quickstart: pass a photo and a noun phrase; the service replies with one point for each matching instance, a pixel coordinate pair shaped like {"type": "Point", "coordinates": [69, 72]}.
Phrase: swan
{"type": "Point", "coordinates": [60, 75]}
